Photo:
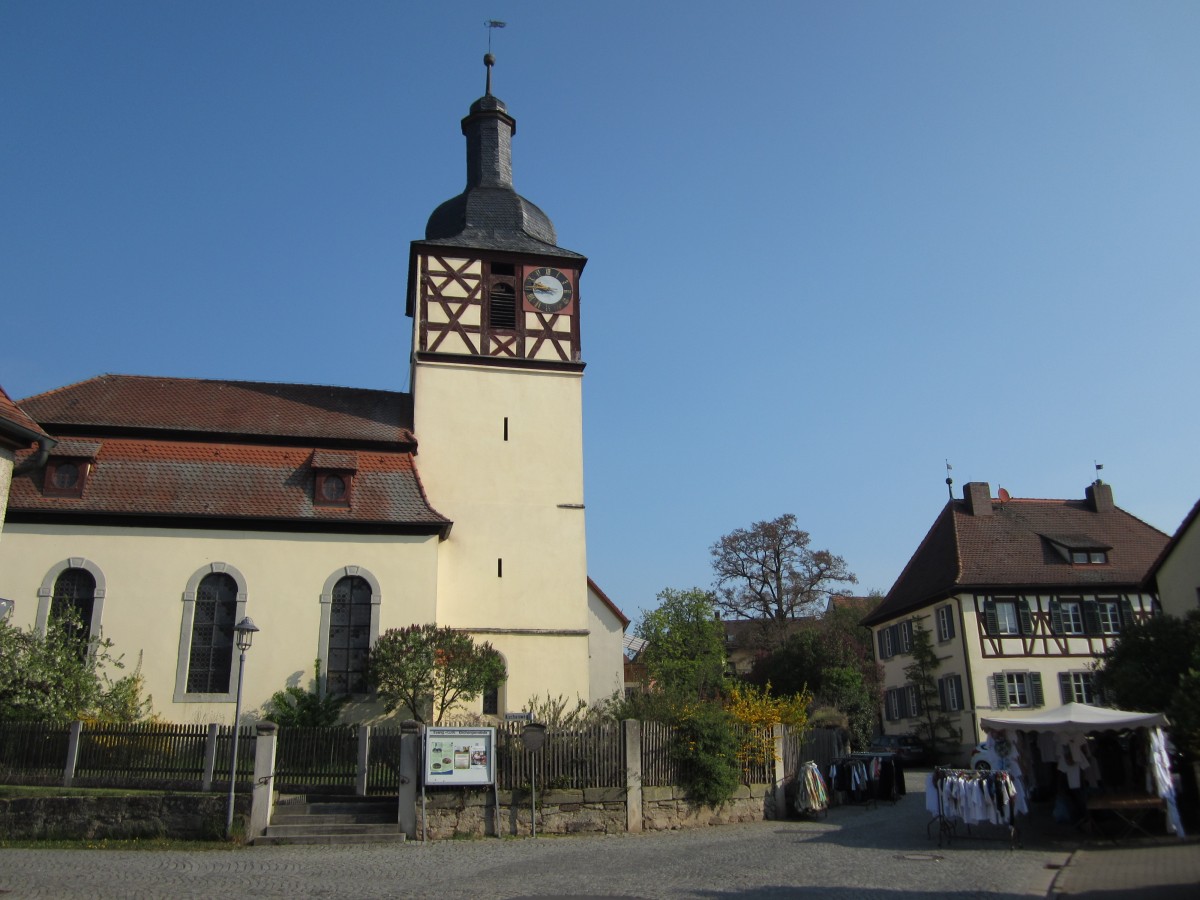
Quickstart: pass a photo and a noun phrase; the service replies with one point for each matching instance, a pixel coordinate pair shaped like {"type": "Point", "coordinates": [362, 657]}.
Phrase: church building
{"type": "Point", "coordinates": [168, 509]}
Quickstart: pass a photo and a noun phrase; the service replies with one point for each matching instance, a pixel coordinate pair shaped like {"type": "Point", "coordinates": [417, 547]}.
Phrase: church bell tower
{"type": "Point", "coordinates": [497, 410]}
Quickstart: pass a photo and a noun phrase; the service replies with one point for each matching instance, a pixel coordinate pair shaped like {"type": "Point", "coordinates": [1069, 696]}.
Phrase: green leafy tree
{"type": "Point", "coordinates": [935, 725]}
{"type": "Point", "coordinates": [1154, 666]}
{"type": "Point", "coordinates": [295, 707]}
{"type": "Point", "coordinates": [770, 573]}
{"type": "Point", "coordinates": [426, 666]}
{"type": "Point", "coordinates": [685, 645]}
{"type": "Point", "coordinates": [62, 676]}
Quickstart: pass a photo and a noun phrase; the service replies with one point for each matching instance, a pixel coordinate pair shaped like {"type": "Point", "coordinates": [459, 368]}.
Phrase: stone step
{"type": "Point", "coordinates": [306, 818]}
{"type": "Point", "coordinates": [333, 829]}
{"type": "Point", "coordinates": [332, 839]}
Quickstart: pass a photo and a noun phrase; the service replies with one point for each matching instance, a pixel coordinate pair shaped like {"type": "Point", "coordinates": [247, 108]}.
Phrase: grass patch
{"type": "Point", "coordinates": [11, 791]}
{"type": "Point", "coordinates": [132, 844]}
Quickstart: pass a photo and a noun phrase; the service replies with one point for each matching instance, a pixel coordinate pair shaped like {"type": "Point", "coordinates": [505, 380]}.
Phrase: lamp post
{"type": "Point", "coordinates": [244, 634]}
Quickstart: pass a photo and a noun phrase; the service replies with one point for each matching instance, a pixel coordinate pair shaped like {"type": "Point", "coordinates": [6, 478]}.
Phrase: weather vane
{"type": "Point", "coordinates": [949, 479]}
{"type": "Point", "coordinates": [492, 24]}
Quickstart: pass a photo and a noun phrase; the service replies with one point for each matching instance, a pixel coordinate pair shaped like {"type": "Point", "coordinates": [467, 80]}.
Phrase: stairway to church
{"type": "Point", "coordinates": [325, 819]}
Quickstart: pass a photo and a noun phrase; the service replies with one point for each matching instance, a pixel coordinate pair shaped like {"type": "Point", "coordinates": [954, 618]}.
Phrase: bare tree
{"type": "Point", "coordinates": [768, 572]}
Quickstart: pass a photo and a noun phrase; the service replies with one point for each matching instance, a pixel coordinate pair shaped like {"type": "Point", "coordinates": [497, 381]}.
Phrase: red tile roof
{"type": "Point", "coordinates": [191, 480]}
{"type": "Point", "coordinates": [1011, 549]}
{"type": "Point", "coordinates": [16, 427]}
{"type": "Point", "coordinates": [138, 403]}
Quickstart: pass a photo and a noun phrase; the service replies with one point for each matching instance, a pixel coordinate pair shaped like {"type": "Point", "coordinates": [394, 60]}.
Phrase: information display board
{"type": "Point", "coordinates": [460, 756]}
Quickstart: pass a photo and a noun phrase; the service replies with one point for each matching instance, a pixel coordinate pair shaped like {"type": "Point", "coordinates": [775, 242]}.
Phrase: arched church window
{"type": "Point", "coordinates": [210, 659]}
{"type": "Point", "coordinates": [73, 601]}
{"type": "Point", "coordinates": [349, 636]}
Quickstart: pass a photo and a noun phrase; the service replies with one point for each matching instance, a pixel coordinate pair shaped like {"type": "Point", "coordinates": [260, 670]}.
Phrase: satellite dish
{"type": "Point", "coordinates": [1004, 496]}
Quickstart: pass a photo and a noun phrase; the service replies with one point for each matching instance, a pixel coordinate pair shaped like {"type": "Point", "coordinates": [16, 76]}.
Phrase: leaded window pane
{"type": "Point", "coordinates": [349, 636]}
{"type": "Point", "coordinates": [210, 660]}
{"type": "Point", "coordinates": [74, 600]}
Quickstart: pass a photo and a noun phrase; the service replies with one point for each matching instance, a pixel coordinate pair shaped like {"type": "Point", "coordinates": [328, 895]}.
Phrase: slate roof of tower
{"type": "Point", "coordinates": [1011, 549]}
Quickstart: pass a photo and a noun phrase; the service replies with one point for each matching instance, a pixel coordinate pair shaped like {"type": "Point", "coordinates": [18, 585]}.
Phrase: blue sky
{"type": "Point", "coordinates": [832, 245]}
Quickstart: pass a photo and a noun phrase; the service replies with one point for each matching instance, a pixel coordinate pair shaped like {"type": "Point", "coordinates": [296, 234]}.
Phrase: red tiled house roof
{"type": "Point", "coordinates": [230, 454]}
{"type": "Point", "coordinates": [1010, 545]}
{"type": "Point", "coordinates": [17, 430]}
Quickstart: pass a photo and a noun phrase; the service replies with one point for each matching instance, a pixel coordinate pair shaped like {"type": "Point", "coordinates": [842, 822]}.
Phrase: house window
{"type": "Point", "coordinates": [1006, 617]}
{"type": "Point", "coordinates": [1077, 687]}
{"type": "Point", "coordinates": [950, 693]}
{"type": "Point", "coordinates": [210, 660]}
{"type": "Point", "coordinates": [349, 636]}
{"type": "Point", "coordinates": [885, 644]}
{"type": "Point", "coordinates": [1017, 689]}
{"type": "Point", "coordinates": [1109, 614]}
{"type": "Point", "coordinates": [912, 702]}
{"type": "Point", "coordinates": [893, 704]}
{"type": "Point", "coordinates": [1072, 616]}
{"type": "Point", "coordinates": [1089, 557]}
{"type": "Point", "coordinates": [945, 623]}
{"type": "Point", "coordinates": [905, 637]}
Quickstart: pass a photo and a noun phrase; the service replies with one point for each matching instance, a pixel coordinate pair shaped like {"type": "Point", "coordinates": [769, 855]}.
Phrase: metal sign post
{"type": "Point", "coordinates": [533, 736]}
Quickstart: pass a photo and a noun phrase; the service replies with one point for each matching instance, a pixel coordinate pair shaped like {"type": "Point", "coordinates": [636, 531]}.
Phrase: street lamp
{"type": "Point", "coordinates": [244, 634]}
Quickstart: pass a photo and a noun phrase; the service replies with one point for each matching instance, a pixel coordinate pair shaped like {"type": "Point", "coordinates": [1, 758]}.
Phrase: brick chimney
{"type": "Point", "coordinates": [1099, 496]}
{"type": "Point", "coordinates": [978, 495]}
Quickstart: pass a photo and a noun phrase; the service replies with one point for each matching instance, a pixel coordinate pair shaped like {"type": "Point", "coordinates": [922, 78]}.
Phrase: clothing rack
{"type": "Point", "coordinates": [970, 797]}
{"type": "Point", "coordinates": [866, 778]}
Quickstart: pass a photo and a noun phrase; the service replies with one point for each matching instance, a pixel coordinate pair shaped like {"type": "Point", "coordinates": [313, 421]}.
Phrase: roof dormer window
{"type": "Point", "coordinates": [1079, 550]}
{"type": "Point", "coordinates": [68, 467]}
{"type": "Point", "coordinates": [333, 478]}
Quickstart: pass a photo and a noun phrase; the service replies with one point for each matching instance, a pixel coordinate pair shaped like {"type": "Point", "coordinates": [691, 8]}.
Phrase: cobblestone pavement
{"type": "Point", "coordinates": [854, 853]}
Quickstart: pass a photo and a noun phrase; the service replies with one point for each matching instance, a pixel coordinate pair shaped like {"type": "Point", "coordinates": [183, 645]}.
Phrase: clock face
{"type": "Point", "coordinates": [548, 290]}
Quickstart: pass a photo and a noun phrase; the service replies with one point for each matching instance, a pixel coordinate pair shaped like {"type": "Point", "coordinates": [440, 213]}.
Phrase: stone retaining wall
{"type": "Point", "coordinates": [180, 816]}
{"type": "Point", "coordinates": [471, 813]}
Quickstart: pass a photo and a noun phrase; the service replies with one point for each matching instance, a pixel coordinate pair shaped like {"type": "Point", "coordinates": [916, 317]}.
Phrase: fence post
{"type": "Point", "coordinates": [73, 735]}
{"type": "Point", "coordinates": [364, 759]}
{"type": "Point", "coordinates": [411, 739]}
{"type": "Point", "coordinates": [779, 773]}
{"type": "Point", "coordinates": [631, 731]}
{"type": "Point", "coordinates": [210, 756]}
{"type": "Point", "coordinates": [262, 798]}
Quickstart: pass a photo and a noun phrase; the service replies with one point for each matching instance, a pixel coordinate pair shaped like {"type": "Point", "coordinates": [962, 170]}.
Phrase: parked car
{"type": "Point", "coordinates": [984, 759]}
{"type": "Point", "coordinates": [907, 747]}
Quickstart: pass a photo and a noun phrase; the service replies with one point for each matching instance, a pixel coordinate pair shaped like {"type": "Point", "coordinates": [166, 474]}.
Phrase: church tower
{"type": "Point", "coordinates": [497, 411]}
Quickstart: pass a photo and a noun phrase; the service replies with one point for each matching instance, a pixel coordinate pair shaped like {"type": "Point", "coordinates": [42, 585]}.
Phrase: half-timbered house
{"type": "Point", "coordinates": [1020, 597]}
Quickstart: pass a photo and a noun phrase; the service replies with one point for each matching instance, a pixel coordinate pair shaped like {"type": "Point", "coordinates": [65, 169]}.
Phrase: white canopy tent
{"type": "Point", "coordinates": [1080, 719]}
{"type": "Point", "coordinates": [1076, 718]}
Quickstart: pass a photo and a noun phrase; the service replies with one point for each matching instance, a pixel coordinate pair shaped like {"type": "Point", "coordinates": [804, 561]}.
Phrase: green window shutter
{"type": "Point", "coordinates": [1055, 616]}
{"type": "Point", "coordinates": [879, 639]}
{"type": "Point", "coordinates": [1036, 697]}
{"type": "Point", "coordinates": [1026, 616]}
{"type": "Point", "coordinates": [1064, 687]}
{"type": "Point", "coordinates": [1091, 617]}
{"type": "Point", "coordinates": [998, 691]}
{"type": "Point", "coordinates": [942, 695]}
{"type": "Point", "coordinates": [949, 622]}
{"type": "Point", "coordinates": [1127, 617]}
{"type": "Point", "coordinates": [959, 696]}
{"type": "Point", "coordinates": [990, 623]}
